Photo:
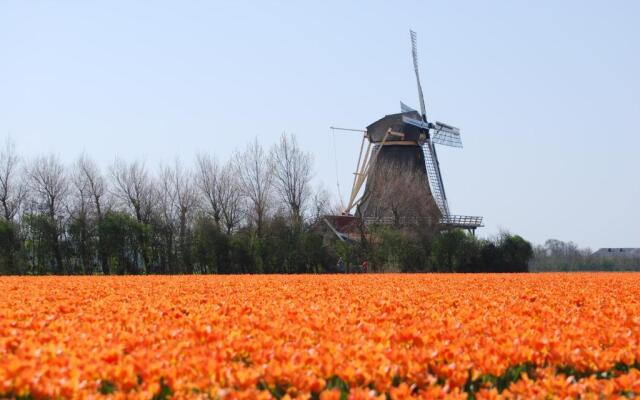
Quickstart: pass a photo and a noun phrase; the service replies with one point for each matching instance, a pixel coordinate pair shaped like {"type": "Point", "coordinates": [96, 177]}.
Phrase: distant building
{"type": "Point", "coordinates": [618, 252]}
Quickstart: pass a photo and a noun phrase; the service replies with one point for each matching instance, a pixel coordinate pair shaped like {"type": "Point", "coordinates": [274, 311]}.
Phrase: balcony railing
{"type": "Point", "coordinates": [453, 221]}
{"type": "Point", "coordinates": [462, 221]}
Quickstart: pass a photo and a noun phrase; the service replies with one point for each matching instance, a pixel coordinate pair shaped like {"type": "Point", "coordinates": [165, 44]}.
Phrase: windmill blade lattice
{"type": "Point", "coordinates": [434, 177]}
{"type": "Point", "coordinates": [446, 135]}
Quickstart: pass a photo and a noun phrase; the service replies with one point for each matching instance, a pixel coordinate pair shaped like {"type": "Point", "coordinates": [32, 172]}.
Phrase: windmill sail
{"type": "Point", "coordinates": [405, 108]}
{"type": "Point", "coordinates": [446, 135]}
{"type": "Point", "coordinates": [414, 54]}
{"type": "Point", "coordinates": [430, 156]}
{"type": "Point", "coordinates": [435, 178]}
{"type": "Point", "coordinates": [415, 122]}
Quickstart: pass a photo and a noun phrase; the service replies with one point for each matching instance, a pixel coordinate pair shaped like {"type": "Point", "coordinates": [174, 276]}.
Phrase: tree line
{"type": "Point", "coordinates": [255, 213]}
{"type": "Point", "coordinates": [558, 255]}
{"type": "Point", "coordinates": [210, 217]}
{"type": "Point", "coordinates": [393, 250]}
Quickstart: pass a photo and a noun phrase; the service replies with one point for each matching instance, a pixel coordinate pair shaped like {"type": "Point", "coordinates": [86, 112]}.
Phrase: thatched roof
{"type": "Point", "coordinates": [377, 130]}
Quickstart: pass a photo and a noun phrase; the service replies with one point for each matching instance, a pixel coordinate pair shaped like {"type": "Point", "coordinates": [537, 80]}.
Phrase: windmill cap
{"type": "Point", "coordinates": [377, 130]}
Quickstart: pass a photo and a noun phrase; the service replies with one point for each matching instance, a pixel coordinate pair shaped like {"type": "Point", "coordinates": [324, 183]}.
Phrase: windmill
{"type": "Point", "coordinates": [406, 141]}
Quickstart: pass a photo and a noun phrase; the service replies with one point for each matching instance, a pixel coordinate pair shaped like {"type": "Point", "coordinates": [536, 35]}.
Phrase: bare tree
{"type": "Point", "coordinates": [322, 204]}
{"type": "Point", "coordinates": [49, 185]}
{"type": "Point", "coordinates": [80, 213]}
{"type": "Point", "coordinates": [95, 185]}
{"type": "Point", "coordinates": [292, 172]}
{"type": "Point", "coordinates": [12, 189]}
{"type": "Point", "coordinates": [81, 189]}
{"type": "Point", "coordinates": [255, 175]}
{"type": "Point", "coordinates": [231, 200]}
{"type": "Point", "coordinates": [12, 193]}
{"type": "Point", "coordinates": [134, 188]}
{"type": "Point", "coordinates": [178, 200]}
{"type": "Point", "coordinates": [186, 203]}
{"type": "Point", "coordinates": [221, 191]}
{"type": "Point", "coordinates": [166, 207]}
{"type": "Point", "coordinates": [208, 179]}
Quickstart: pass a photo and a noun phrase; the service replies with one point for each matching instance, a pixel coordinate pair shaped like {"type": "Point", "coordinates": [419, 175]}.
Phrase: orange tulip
{"type": "Point", "coordinates": [357, 337]}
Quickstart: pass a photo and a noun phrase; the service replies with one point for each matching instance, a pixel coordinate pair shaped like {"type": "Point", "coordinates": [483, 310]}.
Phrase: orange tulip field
{"type": "Point", "coordinates": [321, 336]}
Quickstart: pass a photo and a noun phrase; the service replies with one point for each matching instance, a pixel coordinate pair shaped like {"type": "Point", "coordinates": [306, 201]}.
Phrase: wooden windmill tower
{"type": "Point", "coordinates": [406, 143]}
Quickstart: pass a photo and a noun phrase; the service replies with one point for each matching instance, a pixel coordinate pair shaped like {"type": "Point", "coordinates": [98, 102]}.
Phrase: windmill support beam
{"type": "Point", "coordinates": [347, 129]}
{"type": "Point", "coordinates": [363, 173]}
{"type": "Point", "coordinates": [358, 179]}
{"type": "Point", "coordinates": [360, 154]}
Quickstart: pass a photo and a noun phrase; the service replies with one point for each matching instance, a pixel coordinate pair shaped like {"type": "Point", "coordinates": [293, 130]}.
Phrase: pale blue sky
{"type": "Point", "coordinates": [546, 93]}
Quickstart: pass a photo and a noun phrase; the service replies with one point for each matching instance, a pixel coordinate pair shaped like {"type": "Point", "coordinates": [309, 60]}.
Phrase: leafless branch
{"type": "Point", "coordinates": [134, 188]}
{"type": "Point", "coordinates": [12, 188]}
{"type": "Point", "coordinates": [255, 175]}
{"type": "Point", "coordinates": [292, 174]}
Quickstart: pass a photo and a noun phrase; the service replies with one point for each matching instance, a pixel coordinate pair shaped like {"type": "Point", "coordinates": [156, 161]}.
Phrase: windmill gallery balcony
{"type": "Point", "coordinates": [449, 221]}
{"type": "Point", "coordinates": [349, 227]}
